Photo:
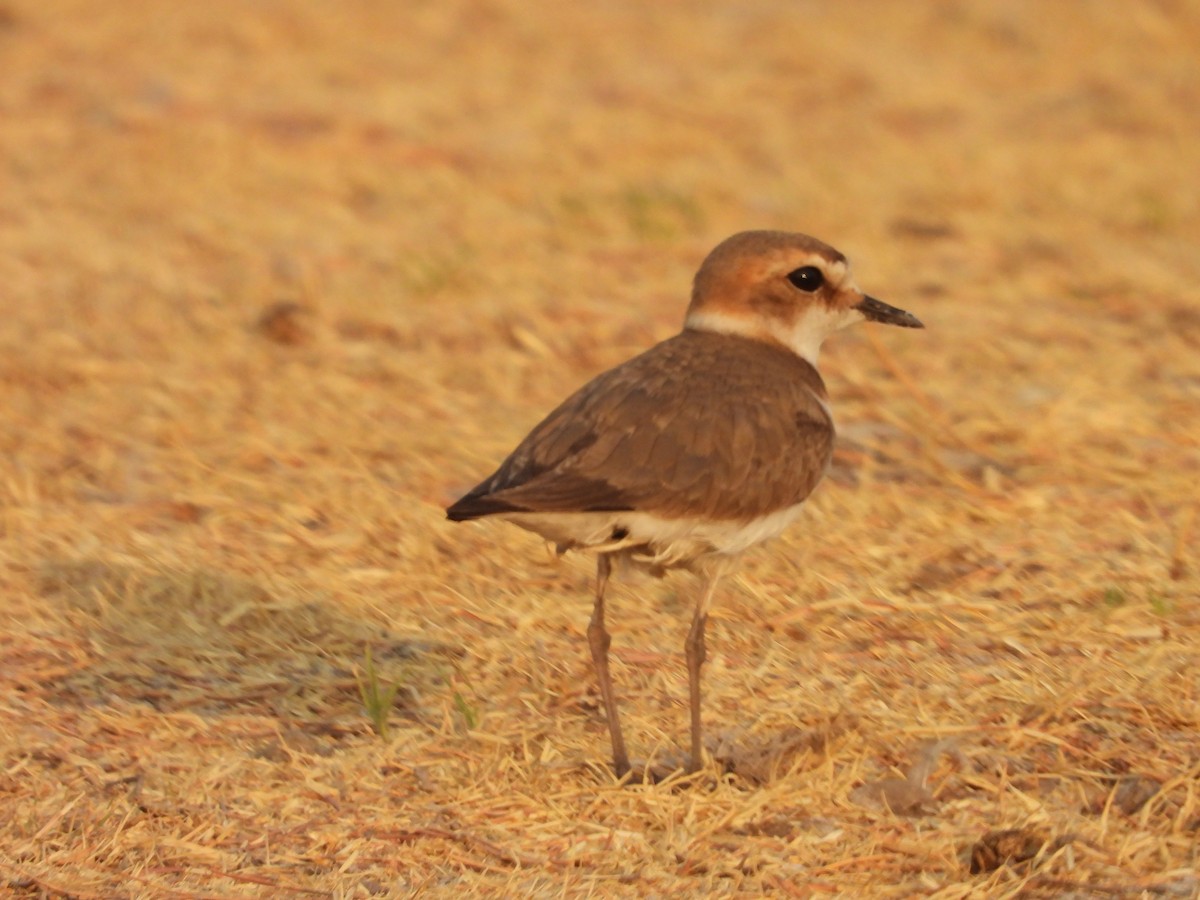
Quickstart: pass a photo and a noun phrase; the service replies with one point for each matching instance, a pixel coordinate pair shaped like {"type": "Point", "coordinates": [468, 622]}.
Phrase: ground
{"type": "Point", "coordinates": [280, 280]}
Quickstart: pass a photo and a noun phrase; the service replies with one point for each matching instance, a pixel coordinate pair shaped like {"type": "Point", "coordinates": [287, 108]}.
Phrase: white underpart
{"type": "Point", "coordinates": [803, 336]}
{"type": "Point", "coordinates": [671, 542]}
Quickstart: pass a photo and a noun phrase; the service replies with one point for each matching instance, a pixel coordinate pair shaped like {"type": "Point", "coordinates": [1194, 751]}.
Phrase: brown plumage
{"type": "Point", "coordinates": [699, 448]}
{"type": "Point", "coordinates": [702, 424]}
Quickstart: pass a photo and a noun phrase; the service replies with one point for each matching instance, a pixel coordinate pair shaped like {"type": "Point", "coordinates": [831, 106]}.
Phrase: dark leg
{"type": "Point", "coordinates": [694, 648]}
{"type": "Point", "coordinates": [599, 640]}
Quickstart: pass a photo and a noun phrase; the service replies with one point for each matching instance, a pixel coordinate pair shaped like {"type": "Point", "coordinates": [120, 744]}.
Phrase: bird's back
{"type": "Point", "coordinates": [710, 426]}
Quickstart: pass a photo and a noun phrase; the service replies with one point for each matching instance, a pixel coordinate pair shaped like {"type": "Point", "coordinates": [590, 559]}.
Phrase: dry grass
{"type": "Point", "coordinates": [280, 279]}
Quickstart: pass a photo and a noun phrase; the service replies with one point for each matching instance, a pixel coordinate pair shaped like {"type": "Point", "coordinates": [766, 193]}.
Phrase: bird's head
{"type": "Point", "coordinates": [783, 288]}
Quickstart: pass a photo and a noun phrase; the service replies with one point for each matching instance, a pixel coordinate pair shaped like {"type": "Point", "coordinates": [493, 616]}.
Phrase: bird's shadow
{"type": "Point", "coordinates": [213, 644]}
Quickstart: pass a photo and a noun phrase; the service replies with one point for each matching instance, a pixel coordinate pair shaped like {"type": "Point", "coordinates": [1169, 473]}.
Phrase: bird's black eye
{"type": "Point", "coordinates": [807, 278]}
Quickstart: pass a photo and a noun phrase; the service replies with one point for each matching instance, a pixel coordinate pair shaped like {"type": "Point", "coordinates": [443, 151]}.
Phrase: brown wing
{"type": "Point", "coordinates": [701, 424]}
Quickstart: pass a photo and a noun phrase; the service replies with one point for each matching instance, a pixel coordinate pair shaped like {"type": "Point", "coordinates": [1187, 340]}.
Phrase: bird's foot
{"type": "Point", "coordinates": [671, 766]}
{"type": "Point", "coordinates": [650, 771]}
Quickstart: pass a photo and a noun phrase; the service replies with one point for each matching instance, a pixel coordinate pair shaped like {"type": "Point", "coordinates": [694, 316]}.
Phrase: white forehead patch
{"type": "Point", "coordinates": [836, 271]}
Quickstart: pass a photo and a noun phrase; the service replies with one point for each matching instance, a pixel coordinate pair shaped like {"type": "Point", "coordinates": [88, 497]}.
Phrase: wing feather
{"type": "Point", "coordinates": [700, 424]}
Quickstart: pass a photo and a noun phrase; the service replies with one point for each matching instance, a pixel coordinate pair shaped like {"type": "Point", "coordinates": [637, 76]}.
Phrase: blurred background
{"type": "Point", "coordinates": [278, 280]}
{"type": "Point", "coordinates": [443, 178]}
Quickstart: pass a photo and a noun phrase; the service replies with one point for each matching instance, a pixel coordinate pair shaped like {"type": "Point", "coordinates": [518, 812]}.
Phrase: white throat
{"type": "Point", "coordinates": [803, 336]}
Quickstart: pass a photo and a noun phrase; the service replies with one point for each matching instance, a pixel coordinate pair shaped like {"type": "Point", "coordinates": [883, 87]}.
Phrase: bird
{"type": "Point", "coordinates": [703, 446]}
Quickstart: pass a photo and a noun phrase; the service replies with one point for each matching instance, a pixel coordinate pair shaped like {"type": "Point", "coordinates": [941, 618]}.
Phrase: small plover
{"type": "Point", "coordinates": [705, 445]}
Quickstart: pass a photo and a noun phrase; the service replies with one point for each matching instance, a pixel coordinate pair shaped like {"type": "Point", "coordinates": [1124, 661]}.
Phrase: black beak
{"type": "Point", "coordinates": [878, 311]}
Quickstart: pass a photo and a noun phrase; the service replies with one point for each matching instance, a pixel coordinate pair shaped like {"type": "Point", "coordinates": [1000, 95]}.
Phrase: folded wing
{"type": "Point", "coordinates": [702, 424]}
